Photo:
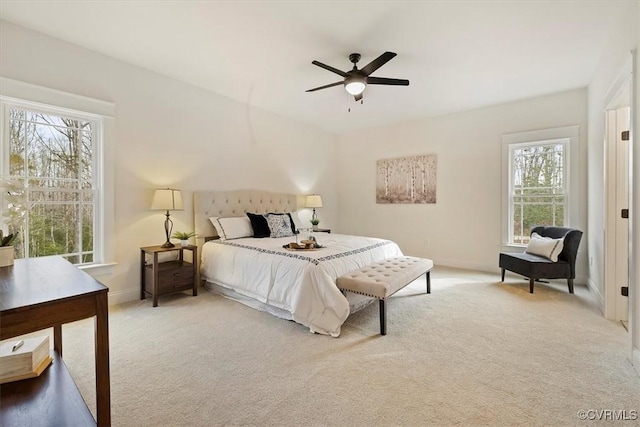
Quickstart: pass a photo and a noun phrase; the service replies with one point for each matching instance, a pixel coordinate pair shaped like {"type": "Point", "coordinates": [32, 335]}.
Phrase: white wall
{"type": "Point", "coordinates": [621, 41]}
{"type": "Point", "coordinates": [615, 55]}
{"type": "Point", "coordinates": [167, 133]}
{"type": "Point", "coordinates": [463, 228]}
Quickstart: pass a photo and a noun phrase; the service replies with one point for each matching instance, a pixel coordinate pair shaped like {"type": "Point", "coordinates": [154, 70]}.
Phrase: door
{"type": "Point", "coordinates": [617, 187]}
{"type": "Point", "coordinates": [617, 250]}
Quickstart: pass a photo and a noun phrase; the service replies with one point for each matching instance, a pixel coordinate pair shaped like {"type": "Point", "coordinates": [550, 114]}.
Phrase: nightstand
{"type": "Point", "coordinates": [163, 278]}
{"type": "Point", "coordinates": [322, 230]}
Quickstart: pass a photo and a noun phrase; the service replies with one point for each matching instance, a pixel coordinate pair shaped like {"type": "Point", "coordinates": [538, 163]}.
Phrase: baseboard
{"type": "Point", "coordinates": [636, 360]}
{"type": "Point", "coordinates": [132, 294]}
{"type": "Point", "coordinates": [119, 297]}
{"type": "Point", "coordinates": [456, 263]}
{"type": "Point", "coordinates": [596, 293]}
{"type": "Point", "coordinates": [490, 268]}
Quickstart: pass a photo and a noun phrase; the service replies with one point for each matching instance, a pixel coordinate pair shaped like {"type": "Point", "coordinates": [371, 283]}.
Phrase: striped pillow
{"type": "Point", "coordinates": [232, 227]}
{"type": "Point", "coordinates": [545, 246]}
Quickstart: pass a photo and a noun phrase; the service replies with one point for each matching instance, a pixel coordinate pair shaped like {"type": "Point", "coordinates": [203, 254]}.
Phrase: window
{"type": "Point", "coordinates": [537, 187]}
{"type": "Point", "coordinates": [536, 177]}
{"type": "Point", "coordinates": [53, 156]}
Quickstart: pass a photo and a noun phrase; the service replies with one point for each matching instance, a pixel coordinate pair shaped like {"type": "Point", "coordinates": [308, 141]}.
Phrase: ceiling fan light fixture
{"type": "Point", "coordinates": [356, 81]}
{"type": "Point", "coordinates": [355, 85]}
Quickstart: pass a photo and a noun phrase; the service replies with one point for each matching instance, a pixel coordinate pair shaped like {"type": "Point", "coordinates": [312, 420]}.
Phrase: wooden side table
{"type": "Point", "coordinates": [163, 278]}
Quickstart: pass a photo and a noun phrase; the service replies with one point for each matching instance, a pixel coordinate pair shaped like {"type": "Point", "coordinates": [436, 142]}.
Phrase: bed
{"type": "Point", "coordinates": [259, 272]}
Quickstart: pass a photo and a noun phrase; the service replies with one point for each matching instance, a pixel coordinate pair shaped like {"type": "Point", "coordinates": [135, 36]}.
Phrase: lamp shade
{"type": "Point", "coordinates": [355, 88]}
{"type": "Point", "coordinates": [167, 199]}
{"type": "Point", "coordinates": [314, 201]}
{"type": "Point", "coordinates": [355, 85]}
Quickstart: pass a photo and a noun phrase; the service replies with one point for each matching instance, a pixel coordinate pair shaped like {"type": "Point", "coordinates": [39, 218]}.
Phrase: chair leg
{"type": "Point", "coordinates": [428, 282]}
{"type": "Point", "coordinates": [531, 280]}
{"type": "Point", "coordinates": [570, 283]}
{"type": "Point", "coordinates": [503, 275]}
{"type": "Point", "coordinates": [383, 318]}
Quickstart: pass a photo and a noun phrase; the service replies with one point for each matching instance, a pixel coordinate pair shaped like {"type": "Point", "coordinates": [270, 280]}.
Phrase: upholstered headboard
{"type": "Point", "coordinates": [207, 204]}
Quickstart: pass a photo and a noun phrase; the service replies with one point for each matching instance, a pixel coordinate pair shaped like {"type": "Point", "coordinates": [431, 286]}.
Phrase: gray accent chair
{"type": "Point", "coordinates": [536, 267]}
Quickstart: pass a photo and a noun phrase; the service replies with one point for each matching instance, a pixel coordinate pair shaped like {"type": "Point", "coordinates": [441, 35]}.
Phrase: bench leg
{"type": "Point", "coordinates": [383, 318]}
{"type": "Point", "coordinates": [502, 275]}
{"type": "Point", "coordinates": [570, 283]}
{"type": "Point", "coordinates": [428, 282]}
{"type": "Point", "coordinates": [531, 280]}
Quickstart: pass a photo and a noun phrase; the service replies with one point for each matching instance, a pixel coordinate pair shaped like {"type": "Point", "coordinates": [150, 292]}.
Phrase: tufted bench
{"type": "Point", "coordinates": [384, 278]}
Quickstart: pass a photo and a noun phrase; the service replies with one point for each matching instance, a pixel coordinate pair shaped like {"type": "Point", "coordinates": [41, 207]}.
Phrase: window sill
{"type": "Point", "coordinates": [512, 247]}
{"type": "Point", "coordinates": [99, 269]}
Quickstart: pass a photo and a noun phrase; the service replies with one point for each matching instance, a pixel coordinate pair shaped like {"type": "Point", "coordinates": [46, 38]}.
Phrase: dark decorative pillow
{"type": "Point", "coordinates": [259, 225]}
{"type": "Point", "coordinates": [293, 224]}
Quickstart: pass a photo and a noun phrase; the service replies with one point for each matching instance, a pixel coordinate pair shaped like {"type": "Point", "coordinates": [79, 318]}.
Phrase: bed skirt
{"type": "Point", "coordinates": [356, 302]}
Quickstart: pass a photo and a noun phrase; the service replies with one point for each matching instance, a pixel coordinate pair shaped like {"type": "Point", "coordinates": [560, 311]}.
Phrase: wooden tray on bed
{"type": "Point", "coordinates": [303, 250]}
{"type": "Point", "coordinates": [287, 247]}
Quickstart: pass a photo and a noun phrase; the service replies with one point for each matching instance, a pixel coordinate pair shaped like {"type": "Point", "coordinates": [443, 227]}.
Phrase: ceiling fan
{"type": "Point", "coordinates": [355, 81]}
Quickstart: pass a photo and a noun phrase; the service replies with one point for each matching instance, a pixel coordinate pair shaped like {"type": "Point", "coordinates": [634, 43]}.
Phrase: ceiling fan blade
{"type": "Point", "coordinates": [386, 81]}
{"type": "Point", "coordinates": [358, 97]}
{"type": "Point", "coordinates": [330, 68]}
{"type": "Point", "coordinates": [324, 87]}
{"type": "Point", "coordinates": [377, 63]}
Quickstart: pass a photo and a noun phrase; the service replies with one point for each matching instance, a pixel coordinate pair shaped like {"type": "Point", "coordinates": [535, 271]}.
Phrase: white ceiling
{"type": "Point", "coordinates": [458, 55]}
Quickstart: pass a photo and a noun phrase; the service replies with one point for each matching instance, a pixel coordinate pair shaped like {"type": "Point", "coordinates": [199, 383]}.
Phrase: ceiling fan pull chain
{"type": "Point", "coordinates": [348, 103]}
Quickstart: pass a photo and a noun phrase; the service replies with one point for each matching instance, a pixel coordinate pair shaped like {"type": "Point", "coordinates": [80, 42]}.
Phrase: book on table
{"type": "Point", "coordinates": [23, 358]}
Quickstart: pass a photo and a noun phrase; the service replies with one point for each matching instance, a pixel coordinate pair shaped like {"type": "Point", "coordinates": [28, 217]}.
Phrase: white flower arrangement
{"type": "Point", "coordinates": [15, 207]}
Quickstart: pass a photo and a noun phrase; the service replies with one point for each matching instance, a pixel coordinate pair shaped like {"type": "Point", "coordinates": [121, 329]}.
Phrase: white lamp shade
{"type": "Point", "coordinates": [314, 201]}
{"type": "Point", "coordinates": [167, 199]}
{"type": "Point", "coordinates": [355, 88]}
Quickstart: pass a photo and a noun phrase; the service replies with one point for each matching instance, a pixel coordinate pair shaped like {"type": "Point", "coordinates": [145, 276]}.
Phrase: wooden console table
{"type": "Point", "coordinates": [41, 293]}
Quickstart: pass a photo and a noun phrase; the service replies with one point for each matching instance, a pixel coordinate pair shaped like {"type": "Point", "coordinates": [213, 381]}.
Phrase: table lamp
{"type": "Point", "coordinates": [314, 201]}
{"type": "Point", "coordinates": [167, 199]}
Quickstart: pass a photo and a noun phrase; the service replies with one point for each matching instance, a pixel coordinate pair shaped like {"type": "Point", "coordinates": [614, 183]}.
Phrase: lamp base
{"type": "Point", "coordinates": [168, 226]}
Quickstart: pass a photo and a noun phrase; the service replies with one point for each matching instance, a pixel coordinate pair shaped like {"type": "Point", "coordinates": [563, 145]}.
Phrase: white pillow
{"type": "Point", "coordinates": [232, 227]}
{"type": "Point", "coordinates": [545, 246]}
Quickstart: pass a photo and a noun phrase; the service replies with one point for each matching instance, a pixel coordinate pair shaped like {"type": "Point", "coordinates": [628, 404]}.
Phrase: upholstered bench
{"type": "Point", "coordinates": [384, 278]}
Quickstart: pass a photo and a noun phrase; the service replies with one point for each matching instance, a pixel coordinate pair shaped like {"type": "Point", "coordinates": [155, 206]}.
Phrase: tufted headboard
{"type": "Point", "coordinates": [207, 204]}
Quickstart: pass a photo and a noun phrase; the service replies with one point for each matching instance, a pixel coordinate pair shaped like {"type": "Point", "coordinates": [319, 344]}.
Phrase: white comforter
{"type": "Point", "coordinates": [299, 282]}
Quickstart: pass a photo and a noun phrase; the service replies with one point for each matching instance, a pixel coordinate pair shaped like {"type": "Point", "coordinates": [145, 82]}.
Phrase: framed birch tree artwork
{"type": "Point", "coordinates": [407, 179]}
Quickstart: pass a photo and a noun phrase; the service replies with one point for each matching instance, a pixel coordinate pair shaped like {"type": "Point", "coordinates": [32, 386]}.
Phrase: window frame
{"type": "Point", "coordinates": [26, 95]}
{"type": "Point", "coordinates": [568, 136]}
{"type": "Point", "coordinates": [97, 178]}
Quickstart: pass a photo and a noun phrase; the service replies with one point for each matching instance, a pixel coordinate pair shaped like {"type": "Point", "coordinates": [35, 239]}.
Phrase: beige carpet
{"type": "Point", "coordinates": [474, 352]}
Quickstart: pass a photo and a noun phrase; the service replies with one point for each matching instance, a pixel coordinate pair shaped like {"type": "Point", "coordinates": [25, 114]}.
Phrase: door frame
{"type": "Point", "coordinates": [618, 96]}
{"type": "Point", "coordinates": [634, 222]}
{"type": "Point", "coordinates": [627, 79]}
